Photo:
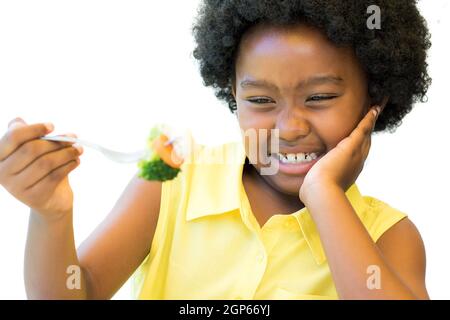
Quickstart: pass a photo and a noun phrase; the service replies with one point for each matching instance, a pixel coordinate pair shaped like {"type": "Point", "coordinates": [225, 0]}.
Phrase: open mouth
{"type": "Point", "coordinates": [296, 158]}
{"type": "Point", "coordinates": [296, 164]}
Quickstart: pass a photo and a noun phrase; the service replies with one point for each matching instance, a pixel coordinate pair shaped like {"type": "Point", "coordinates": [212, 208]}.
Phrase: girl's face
{"type": "Point", "coordinates": [297, 81]}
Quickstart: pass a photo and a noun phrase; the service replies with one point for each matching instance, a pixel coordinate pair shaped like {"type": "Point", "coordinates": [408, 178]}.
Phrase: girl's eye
{"type": "Point", "coordinates": [260, 100]}
{"type": "Point", "coordinates": [317, 98]}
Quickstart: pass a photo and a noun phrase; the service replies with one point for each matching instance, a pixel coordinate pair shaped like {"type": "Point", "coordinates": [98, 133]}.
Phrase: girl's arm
{"type": "Point", "coordinates": [35, 172]}
{"type": "Point", "coordinates": [104, 261]}
{"type": "Point", "coordinates": [398, 258]}
{"type": "Point", "coordinates": [49, 253]}
{"type": "Point", "coordinates": [121, 242]}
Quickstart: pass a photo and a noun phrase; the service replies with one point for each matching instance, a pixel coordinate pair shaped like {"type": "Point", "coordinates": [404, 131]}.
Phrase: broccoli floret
{"type": "Point", "coordinates": [157, 170]}
{"type": "Point", "coordinates": [153, 167]}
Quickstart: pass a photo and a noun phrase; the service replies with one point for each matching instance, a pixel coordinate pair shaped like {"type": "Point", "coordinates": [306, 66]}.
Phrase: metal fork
{"type": "Point", "coordinates": [121, 157]}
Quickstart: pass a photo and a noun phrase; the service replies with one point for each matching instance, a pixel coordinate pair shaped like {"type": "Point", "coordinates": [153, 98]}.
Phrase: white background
{"type": "Point", "coordinates": [109, 70]}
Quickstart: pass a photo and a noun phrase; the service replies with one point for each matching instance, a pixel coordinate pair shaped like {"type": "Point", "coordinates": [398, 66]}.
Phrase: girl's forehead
{"type": "Point", "coordinates": [264, 36]}
{"type": "Point", "coordinates": [296, 42]}
{"type": "Point", "coordinates": [292, 50]}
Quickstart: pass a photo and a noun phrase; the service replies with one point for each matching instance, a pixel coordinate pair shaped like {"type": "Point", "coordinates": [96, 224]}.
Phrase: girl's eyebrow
{"type": "Point", "coordinates": [315, 80]}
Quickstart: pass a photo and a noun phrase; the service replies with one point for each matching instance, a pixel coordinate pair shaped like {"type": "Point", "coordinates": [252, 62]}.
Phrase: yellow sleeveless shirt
{"type": "Point", "coordinates": [209, 245]}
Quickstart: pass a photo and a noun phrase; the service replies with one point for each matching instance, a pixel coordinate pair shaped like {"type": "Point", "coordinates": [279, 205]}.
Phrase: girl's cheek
{"type": "Point", "coordinates": [254, 121]}
{"type": "Point", "coordinates": [334, 130]}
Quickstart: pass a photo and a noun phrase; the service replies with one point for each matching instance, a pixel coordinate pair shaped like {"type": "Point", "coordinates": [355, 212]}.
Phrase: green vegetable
{"type": "Point", "coordinates": [154, 168]}
{"type": "Point", "coordinates": [157, 170]}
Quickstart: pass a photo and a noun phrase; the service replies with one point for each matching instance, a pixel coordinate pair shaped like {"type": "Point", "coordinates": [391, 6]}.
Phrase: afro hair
{"type": "Point", "coordinates": [393, 57]}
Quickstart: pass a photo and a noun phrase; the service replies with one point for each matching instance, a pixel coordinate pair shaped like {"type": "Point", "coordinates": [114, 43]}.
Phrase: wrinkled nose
{"type": "Point", "coordinates": [292, 125]}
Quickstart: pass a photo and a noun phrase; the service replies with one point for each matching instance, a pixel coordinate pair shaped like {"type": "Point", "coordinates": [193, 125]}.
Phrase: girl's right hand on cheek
{"type": "Point", "coordinates": [36, 171]}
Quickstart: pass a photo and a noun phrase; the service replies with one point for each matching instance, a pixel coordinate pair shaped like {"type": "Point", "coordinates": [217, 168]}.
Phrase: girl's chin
{"type": "Point", "coordinates": [288, 185]}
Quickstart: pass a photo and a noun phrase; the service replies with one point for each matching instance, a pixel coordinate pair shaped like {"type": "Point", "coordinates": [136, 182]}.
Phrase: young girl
{"type": "Point", "coordinates": [314, 77]}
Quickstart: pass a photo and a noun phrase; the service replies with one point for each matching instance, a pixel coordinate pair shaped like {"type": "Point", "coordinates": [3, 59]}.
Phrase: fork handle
{"type": "Point", "coordinates": [70, 139]}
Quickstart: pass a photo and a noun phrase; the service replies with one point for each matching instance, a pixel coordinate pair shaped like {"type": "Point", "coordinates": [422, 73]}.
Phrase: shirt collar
{"type": "Point", "coordinates": [227, 196]}
{"type": "Point", "coordinates": [208, 169]}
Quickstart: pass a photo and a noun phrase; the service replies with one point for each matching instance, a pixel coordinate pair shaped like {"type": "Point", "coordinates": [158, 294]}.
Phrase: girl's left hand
{"type": "Point", "coordinates": [342, 165]}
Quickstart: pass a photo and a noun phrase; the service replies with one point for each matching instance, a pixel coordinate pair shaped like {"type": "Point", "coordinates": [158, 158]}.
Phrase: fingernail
{"type": "Point", "coordinates": [375, 112]}
{"type": "Point", "coordinates": [78, 147]}
{"type": "Point", "coordinates": [379, 110]}
{"type": "Point", "coordinates": [49, 126]}
{"type": "Point", "coordinates": [15, 121]}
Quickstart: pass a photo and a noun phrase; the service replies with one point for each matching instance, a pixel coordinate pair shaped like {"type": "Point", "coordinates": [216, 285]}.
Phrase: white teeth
{"type": "Point", "coordinates": [297, 158]}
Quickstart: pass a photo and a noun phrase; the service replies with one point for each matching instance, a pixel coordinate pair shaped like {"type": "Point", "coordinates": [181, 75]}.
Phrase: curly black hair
{"type": "Point", "coordinates": [393, 57]}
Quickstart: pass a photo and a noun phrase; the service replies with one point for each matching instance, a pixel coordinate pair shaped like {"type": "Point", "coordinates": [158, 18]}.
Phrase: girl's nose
{"type": "Point", "coordinates": [292, 125]}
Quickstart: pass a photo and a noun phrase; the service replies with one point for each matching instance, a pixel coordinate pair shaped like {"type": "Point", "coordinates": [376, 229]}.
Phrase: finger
{"type": "Point", "coordinates": [361, 133]}
{"type": "Point", "coordinates": [366, 125]}
{"type": "Point", "coordinates": [43, 166]}
{"type": "Point", "coordinates": [19, 133]}
{"type": "Point", "coordinates": [370, 120]}
{"type": "Point", "coordinates": [367, 142]}
{"type": "Point", "coordinates": [29, 152]}
{"type": "Point", "coordinates": [376, 111]}
{"type": "Point", "coordinates": [375, 114]}
{"type": "Point", "coordinates": [53, 179]}
{"type": "Point", "coordinates": [16, 121]}
{"type": "Point", "coordinates": [366, 146]}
